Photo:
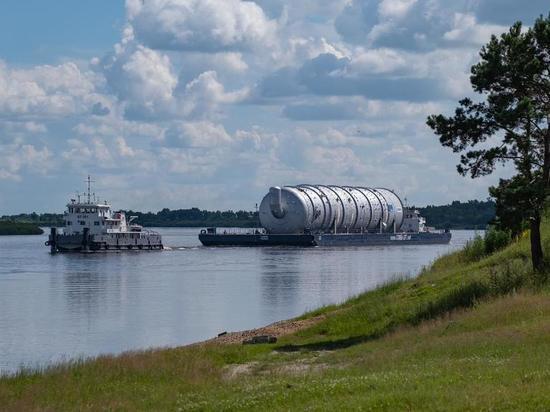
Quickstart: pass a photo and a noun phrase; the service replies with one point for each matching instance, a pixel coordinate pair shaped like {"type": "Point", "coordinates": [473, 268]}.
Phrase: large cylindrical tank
{"type": "Point", "coordinates": [327, 208]}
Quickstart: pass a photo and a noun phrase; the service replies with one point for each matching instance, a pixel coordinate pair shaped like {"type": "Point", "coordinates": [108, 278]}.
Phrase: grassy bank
{"type": "Point", "coordinates": [470, 332]}
{"type": "Point", "coordinates": [17, 228]}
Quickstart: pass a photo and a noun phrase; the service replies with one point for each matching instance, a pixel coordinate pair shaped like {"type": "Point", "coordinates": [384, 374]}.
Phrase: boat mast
{"type": "Point", "coordinates": [89, 180]}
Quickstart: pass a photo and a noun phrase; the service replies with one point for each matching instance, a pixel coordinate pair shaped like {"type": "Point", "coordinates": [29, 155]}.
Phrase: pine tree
{"type": "Point", "coordinates": [509, 123]}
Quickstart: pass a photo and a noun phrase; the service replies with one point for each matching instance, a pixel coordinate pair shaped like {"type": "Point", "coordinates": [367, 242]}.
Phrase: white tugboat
{"type": "Point", "coordinates": [92, 226]}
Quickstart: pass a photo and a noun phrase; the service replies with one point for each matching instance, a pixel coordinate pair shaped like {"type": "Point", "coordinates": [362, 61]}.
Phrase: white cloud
{"type": "Point", "coordinates": [18, 157]}
{"type": "Point", "coordinates": [145, 82]}
{"type": "Point", "coordinates": [231, 61]}
{"type": "Point", "coordinates": [383, 60]}
{"type": "Point", "coordinates": [202, 96]}
{"type": "Point", "coordinates": [123, 149]}
{"type": "Point", "coordinates": [467, 31]}
{"type": "Point", "coordinates": [84, 153]}
{"type": "Point", "coordinates": [200, 25]}
{"type": "Point", "coordinates": [143, 78]}
{"type": "Point", "coordinates": [10, 129]}
{"type": "Point", "coordinates": [45, 90]}
{"type": "Point", "coordinates": [192, 165]}
{"type": "Point", "coordinates": [395, 9]}
{"type": "Point", "coordinates": [376, 74]}
{"type": "Point", "coordinates": [296, 50]}
{"type": "Point", "coordinates": [196, 134]}
{"type": "Point", "coordinates": [106, 155]}
{"type": "Point", "coordinates": [416, 24]}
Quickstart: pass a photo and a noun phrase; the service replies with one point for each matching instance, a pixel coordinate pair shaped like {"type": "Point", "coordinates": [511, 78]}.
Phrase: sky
{"type": "Point", "coordinates": [208, 103]}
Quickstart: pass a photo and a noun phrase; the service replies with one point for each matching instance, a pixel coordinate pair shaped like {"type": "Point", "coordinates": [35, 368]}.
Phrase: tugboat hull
{"type": "Point", "coordinates": [105, 242]}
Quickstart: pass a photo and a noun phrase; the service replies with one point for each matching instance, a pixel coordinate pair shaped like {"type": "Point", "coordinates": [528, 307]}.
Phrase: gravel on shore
{"type": "Point", "coordinates": [277, 329]}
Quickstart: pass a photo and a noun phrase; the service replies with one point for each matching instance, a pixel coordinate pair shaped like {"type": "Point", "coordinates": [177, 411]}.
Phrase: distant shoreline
{"type": "Point", "coordinates": [470, 215]}
{"type": "Point", "coordinates": [9, 228]}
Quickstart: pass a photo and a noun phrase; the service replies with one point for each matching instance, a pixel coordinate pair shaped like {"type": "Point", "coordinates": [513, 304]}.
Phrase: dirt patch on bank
{"type": "Point", "coordinates": [297, 367]}
{"type": "Point", "coordinates": [277, 329]}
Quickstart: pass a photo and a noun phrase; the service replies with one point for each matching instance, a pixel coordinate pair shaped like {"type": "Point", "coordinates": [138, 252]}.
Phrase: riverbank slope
{"type": "Point", "coordinates": [469, 333]}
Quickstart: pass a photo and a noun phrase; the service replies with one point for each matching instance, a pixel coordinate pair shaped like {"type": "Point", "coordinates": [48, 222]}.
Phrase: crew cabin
{"type": "Point", "coordinates": [97, 217]}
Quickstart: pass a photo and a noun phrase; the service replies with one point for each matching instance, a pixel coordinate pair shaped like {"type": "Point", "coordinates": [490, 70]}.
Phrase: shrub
{"type": "Point", "coordinates": [479, 247]}
{"type": "Point", "coordinates": [474, 249]}
{"type": "Point", "coordinates": [496, 239]}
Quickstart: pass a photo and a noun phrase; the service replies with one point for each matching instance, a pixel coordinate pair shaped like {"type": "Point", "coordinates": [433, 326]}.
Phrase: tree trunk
{"type": "Point", "coordinates": [536, 244]}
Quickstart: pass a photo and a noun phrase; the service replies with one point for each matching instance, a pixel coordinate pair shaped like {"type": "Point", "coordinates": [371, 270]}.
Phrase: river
{"type": "Point", "coordinates": [60, 307]}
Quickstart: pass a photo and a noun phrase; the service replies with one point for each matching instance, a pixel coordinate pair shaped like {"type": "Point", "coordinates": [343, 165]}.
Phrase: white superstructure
{"type": "Point", "coordinates": [97, 217]}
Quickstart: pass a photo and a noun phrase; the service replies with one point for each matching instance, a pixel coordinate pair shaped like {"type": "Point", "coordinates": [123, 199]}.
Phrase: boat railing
{"type": "Point", "coordinates": [149, 231]}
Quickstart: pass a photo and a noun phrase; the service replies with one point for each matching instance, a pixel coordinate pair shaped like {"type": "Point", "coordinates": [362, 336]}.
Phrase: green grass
{"type": "Point", "coordinates": [18, 228]}
{"type": "Point", "coordinates": [467, 334]}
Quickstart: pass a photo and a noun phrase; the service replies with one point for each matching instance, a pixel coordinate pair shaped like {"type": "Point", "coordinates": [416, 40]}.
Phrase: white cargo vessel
{"type": "Point", "coordinates": [327, 215]}
{"type": "Point", "coordinates": [90, 226]}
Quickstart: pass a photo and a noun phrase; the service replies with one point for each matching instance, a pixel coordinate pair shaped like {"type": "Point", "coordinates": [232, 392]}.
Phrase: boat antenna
{"type": "Point", "coordinates": [90, 181]}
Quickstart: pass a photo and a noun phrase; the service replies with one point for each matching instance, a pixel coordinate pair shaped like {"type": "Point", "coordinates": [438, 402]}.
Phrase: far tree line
{"type": "Point", "coordinates": [473, 214]}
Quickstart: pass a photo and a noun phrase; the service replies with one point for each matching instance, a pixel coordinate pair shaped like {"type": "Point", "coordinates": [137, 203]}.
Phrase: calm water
{"type": "Point", "coordinates": [59, 307]}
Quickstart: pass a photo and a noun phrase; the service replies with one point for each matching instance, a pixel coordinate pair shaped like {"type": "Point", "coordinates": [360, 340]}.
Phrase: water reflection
{"type": "Point", "coordinates": [280, 276]}
{"type": "Point", "coordinates": [85, 284]}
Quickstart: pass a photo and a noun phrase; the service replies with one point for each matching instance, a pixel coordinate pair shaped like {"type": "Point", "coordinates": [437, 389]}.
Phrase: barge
{"type": "Point", "coordinates": [213, 237]}
{"type": "Point", "coordinates": [321, 215]}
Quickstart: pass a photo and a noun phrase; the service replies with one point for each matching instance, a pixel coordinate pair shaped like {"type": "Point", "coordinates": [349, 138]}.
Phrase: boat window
{"type": "Point", "coordinates": [68, 223]}
{"type": "Point", "coordinates": [96, 223]}
{"type": "Point", "coordinates": [82, 223]}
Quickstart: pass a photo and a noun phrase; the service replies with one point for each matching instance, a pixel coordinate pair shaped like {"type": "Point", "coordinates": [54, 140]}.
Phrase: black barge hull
{"type": "Point", "coordinates": [326, 239]}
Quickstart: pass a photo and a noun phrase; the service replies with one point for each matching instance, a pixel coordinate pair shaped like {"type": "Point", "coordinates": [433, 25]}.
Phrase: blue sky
{"type": "Point", "coordinates": [181, 103]}
{"type": "Point", "coordinates": [47, 32]}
